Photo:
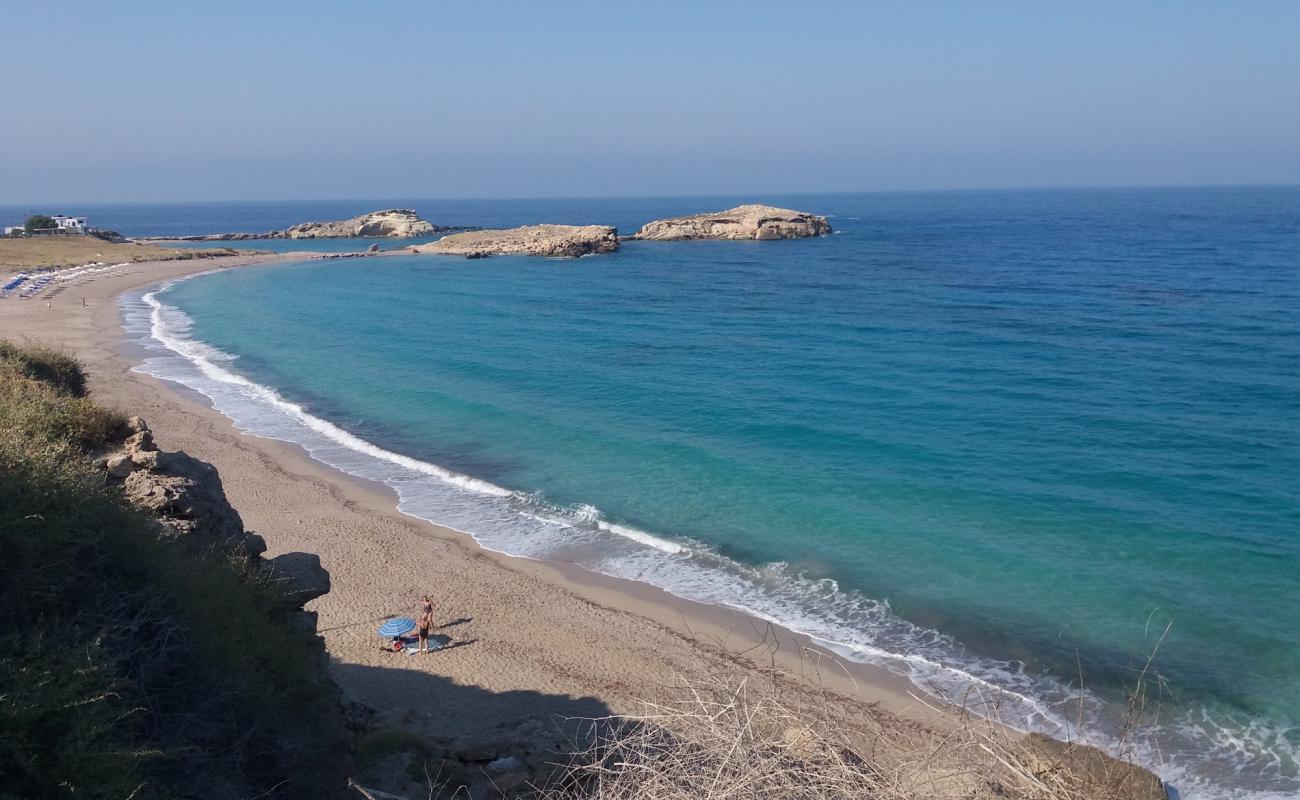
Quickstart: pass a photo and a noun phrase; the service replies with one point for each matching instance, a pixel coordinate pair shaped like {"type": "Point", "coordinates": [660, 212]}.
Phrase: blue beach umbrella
{"type": "Point", "coordinates": [396, 627]}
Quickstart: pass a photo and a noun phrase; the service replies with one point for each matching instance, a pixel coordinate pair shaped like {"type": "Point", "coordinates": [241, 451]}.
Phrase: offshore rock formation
{"type": "Point", "coordinates": [393, 223]}
{"type": "Point", "coordinates": [402, 223]}
{"type": "Point", "coordinates": [742, 222]}
{"type": "Point", "coordinates": [552, 241]}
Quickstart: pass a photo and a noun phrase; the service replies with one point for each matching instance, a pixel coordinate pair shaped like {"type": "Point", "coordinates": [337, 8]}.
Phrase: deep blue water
{"type": "Point", "coordinates": [978, 436]}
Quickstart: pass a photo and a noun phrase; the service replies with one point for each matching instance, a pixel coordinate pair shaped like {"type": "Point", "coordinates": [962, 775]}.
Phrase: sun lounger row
{"type": "Point", "coordinates": [35, 287]}
{"type": "Point", "coordinates": [13, 284]}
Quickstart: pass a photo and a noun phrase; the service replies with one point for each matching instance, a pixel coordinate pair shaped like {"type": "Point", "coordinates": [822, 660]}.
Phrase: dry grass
{"type": "Point", "coordinates": [723, 739]}
{"type": "Point", "coordinates": [70, 251]}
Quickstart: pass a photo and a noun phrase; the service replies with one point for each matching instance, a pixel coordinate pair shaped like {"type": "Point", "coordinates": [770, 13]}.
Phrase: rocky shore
{"type": "Point", "coordinates": [551, 241]}
{"type": "Point", "coordinates": [393, 223]}
{"type": "Point", "coordinates": [185, 497]}
{"type": "Point", "coordinates": [742, 222]}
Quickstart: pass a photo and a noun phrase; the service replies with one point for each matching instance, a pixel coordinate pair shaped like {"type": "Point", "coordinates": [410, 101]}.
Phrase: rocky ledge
{"type": "Point", "coordinates": [393, 223]}
{"type": "Point", "coordinates": [742, 222]}
{"type": "Point", "coordinates": [185, 496]}
{"type": "Point", "coordinates": [552, 241]}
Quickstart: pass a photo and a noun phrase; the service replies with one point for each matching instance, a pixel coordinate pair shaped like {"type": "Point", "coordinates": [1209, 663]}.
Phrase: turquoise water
{"type": "Point", "coordinates": [985, 439]}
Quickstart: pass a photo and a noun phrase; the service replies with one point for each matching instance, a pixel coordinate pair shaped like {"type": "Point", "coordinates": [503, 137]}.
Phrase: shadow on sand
{"type": "Point", "coordinates": [417, 721]}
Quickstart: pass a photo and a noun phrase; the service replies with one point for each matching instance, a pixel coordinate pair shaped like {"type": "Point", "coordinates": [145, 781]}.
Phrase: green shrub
{"type": "Point", "coordinates": [38, 221]}
{"type": "Point", "coordinates": [38, 416]}
{"type": "Point", "coordinates": [132, 664]}
{"type": "Point", "coordinates": [59, 370]}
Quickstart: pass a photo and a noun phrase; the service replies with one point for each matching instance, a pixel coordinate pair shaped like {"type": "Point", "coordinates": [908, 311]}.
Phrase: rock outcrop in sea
{"type": "Point", "coordinates": [393, 223]}
{"type": "Point", "coordinates": [742, 222]}
{"type": "Point", "coordinates": [397, 223]}
{"type": "Point", "coordinates": [552, 241]}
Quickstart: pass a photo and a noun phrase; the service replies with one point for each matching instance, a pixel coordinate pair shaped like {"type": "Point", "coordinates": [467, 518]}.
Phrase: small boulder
{"type": "Point", "coordinates": [145, 459]}
{"type": "Point", "coordinates": [136, 425]}
{"type": "Point", "coordinates": [301, 577]}
{"type": "Point", "coordinates": [505, 764]}
{"type": "Point", "coordinates": [473, 748]}
{"type": "Point", "coordinates": [140, 441]}
{"type": "Point", "coordinates": [119, 466]}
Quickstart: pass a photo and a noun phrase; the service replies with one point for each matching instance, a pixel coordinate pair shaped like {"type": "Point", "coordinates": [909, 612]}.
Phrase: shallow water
{"type": "Point", "coordinates": [984, 439]}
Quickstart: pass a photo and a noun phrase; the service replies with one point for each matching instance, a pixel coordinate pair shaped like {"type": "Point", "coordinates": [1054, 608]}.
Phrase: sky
{"type": "Point", "coordinates": [225, 100]}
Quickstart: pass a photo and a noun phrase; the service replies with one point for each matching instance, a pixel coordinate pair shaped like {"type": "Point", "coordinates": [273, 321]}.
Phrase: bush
{"type": "Point", "coordinates": [133, 665]}
{"type": "Point", "coordinates": [37, 222]}
{"type": "Point", "coordinates": [59, 370]}
{"type": "Point", "coordinates": [722, 738]}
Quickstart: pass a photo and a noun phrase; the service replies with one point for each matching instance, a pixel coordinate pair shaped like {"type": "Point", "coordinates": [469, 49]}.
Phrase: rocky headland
{"type": "Point", "coordinates": [393, 223]}
{"type": "Point", "coordinates": [551, 241]}
{"type": "Point", "coordinates": [742, 222]}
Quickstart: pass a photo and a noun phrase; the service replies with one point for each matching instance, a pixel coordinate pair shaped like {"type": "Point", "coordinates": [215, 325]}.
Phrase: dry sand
{"type": "Point", "coordinates": [72, 250]}
{"type": "Point", "coordinates": [529, 639]}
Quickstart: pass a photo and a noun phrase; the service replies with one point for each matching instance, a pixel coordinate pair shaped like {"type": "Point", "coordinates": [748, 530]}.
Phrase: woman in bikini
{"type": "Point", "coordinates": [424, 624]}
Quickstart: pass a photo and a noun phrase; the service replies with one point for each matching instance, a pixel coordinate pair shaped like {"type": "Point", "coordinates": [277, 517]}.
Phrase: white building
{"type": "Point", "coordinates": [70, 224]}
{"type": "Point", "coordinates": [62, 224]}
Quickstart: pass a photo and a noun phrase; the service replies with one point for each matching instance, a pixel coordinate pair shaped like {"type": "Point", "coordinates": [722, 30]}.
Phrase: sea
{"type": "Point", "coordinates": [1038, 451]}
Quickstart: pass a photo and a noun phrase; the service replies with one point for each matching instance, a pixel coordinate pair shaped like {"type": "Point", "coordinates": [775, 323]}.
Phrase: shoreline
{"type": "Point", "coordinates": [685, 634]}
{"type": "Point", "coordinates": [545, 637]}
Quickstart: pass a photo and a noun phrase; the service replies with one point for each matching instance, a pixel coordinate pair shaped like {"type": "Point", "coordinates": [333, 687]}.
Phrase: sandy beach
{"type": "Point", "coordinates": [528, 639]}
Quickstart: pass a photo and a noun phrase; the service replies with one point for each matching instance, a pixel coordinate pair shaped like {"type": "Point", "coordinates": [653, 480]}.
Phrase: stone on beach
{"type": "Point", "coordinates": [742, 222]}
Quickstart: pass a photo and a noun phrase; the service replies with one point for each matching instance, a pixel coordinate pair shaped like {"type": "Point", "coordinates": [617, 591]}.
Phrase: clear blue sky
{"type": "Point", "coordinates": [263, 100]}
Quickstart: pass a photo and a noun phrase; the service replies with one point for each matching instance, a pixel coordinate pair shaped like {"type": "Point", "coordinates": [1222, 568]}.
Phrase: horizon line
{"type": "Point", "coordinates": [449, 198]}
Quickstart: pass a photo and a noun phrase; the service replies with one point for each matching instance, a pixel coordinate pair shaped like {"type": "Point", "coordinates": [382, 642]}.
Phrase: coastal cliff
{"type": "Point", "coordinates": [393, 223]}
{"type": "Point", "coordinates": [742, 222]}
{"type": "Point", "coordinates": [185, 497]}
{"type": "Point", "coordinates": [146, 647]}
{"type": "Point", "coordinates": [551, 241]}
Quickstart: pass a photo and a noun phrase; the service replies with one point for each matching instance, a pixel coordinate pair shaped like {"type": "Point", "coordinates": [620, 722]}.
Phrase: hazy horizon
{"type": "Point", "coordinates": [41, 206]}
{"type": "Point", "coordinates": [241, 102]}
